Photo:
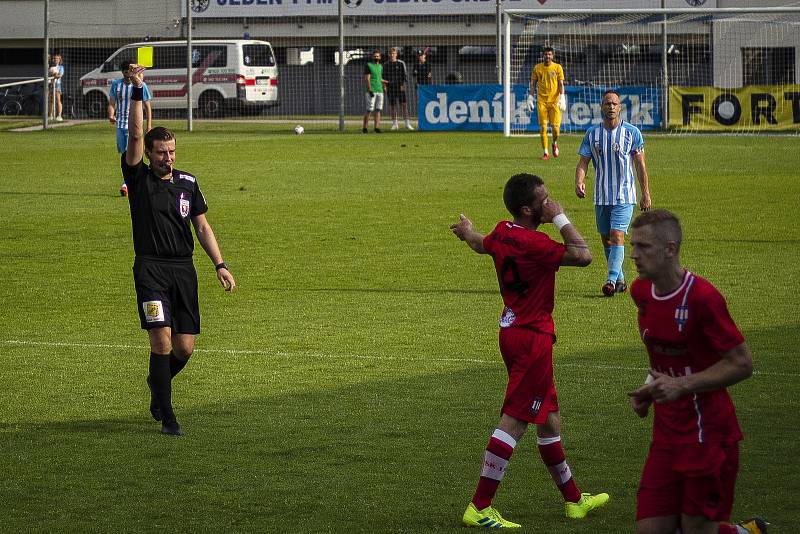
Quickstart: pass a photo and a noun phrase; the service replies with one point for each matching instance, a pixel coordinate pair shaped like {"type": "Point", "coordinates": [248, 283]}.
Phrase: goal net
{"type": "Point", "coordinates": [724, 70]}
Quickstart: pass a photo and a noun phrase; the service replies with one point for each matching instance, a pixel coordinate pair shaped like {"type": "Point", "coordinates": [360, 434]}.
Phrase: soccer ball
{"type": "Point", "coordinates": [299, 130]}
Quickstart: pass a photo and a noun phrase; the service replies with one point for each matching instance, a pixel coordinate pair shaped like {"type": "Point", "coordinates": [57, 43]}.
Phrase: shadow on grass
{"type": "Point", "coordinates": [399, 453]}
{"type": "Point", "coordinates": [390, 455]}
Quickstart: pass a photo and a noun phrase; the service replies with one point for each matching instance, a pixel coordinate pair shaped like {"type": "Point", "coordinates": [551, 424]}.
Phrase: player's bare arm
{"type": "Point", "coordinates": [207, 239]}
{"type": "Point", "coordinates": [578, 253]}
{"type": "Point", "coordinates": [464, 230]}
{"type": "Point", "coordinates": [135, 151]}
{"type": "Point", "coordinates": [645, 202]}
{"type": "Point", "coordinates": [734, 366]}
{"type": "Point", "coordinates": [580, 176]}
{"type": "Point", "coordinates": [149, 109]}
{"type": "Point", "coordinates": [112, 110]}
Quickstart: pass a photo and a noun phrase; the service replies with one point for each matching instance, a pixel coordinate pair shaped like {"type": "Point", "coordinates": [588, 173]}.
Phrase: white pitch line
{"type": "Point", "coordinates": [283, 354]}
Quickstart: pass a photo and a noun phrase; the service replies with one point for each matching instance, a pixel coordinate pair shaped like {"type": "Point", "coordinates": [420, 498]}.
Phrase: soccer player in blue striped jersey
{"type": "Point", "coordinates": [119, 103]}
{"type": "Point", "coordinates": [616, 149]}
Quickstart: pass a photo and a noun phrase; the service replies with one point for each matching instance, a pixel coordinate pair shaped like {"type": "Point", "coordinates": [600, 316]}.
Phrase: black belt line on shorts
{"type": "Point", "coordinates": [162, 259]}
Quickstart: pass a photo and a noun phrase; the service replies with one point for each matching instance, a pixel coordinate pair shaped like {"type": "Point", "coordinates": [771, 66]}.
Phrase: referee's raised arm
{"type": "Point", "coordinates": [135, 151]}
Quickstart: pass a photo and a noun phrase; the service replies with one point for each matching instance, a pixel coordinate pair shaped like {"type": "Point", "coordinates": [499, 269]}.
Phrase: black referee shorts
{"type": "Point", "coordinates": [166, 295]}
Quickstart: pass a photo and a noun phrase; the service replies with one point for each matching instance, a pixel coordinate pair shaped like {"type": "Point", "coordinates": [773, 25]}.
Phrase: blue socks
{"type": "Point", "coordinates": [615, 256]}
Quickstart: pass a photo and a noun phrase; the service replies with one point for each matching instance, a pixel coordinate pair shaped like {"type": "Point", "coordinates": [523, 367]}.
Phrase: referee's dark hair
{"type": "Point", "coordinates": [548, 49]}
{"type": "Point", "coordinates": [159, 133]}
{"type": "Point", "coordinates": [613, 92]}
{"type": "Point", "coordinates": [125, 65]}
{"type": "Point", "coordinates": [519, 192]}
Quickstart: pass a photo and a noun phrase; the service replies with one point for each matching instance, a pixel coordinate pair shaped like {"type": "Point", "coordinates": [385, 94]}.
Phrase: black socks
{"type": "Point", "coordinates": [161, 377]}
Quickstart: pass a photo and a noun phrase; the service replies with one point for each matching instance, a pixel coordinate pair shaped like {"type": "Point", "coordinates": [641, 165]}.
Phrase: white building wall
{"type": "Point", "coordinates": [730, 37]}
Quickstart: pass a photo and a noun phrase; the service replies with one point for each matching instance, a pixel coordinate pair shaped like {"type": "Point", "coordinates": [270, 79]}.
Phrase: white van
{"type": "Point", "coordinates": [226, 75]}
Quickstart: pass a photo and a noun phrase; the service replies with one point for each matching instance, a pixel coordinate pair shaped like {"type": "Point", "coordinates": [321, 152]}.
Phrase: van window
{"type": "Point", "coordinates": [113, 63]}
{"type": "Point", "coordinates": [169, 57]}
{"type": "Point", "coordinates": [258, 55]}
{"type": "Point", "coordinates": [215, 56]}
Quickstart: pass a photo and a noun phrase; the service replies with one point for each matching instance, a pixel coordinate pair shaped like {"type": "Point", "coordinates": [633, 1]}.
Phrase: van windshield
{"type": "Point", "coordinates": [258, 56]}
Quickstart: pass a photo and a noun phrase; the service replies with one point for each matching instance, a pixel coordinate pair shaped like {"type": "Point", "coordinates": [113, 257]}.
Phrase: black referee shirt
{"type": "Point", "coordinates": [161, 211]}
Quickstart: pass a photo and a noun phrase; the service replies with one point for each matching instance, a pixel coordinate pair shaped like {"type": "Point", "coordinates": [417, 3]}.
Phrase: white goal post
{"type": "Point", "coordinates": [731, 70]}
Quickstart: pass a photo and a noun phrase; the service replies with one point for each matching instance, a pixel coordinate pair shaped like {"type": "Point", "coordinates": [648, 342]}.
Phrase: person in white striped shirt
{"type": "Point", "coordinates": [119, 103]}
{"type": "Point", "coordinates": [616, 149]}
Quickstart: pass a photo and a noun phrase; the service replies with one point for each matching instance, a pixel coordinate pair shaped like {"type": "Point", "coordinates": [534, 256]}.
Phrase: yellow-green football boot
{"type": "Point", "coordinates": [487, 518]}
{"type": "Point", "coordinates": [588, 502]}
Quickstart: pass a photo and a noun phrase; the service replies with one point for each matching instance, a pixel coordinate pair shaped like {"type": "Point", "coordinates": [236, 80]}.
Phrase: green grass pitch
{"type": "Point", "coordinates": [352, 381]}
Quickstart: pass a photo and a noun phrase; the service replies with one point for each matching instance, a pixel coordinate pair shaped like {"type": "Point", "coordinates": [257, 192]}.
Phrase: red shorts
{"type": "Point", "coordinates": [531, 392]}
{"type": "Point", "coordinates": [696, 480]}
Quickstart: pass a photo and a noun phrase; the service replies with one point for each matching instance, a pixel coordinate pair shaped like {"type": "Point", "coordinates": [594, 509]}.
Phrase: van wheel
{"type": "Point", "coordinates": [210, 105]}
{"type": "Point", "coordinates": [96, 105]}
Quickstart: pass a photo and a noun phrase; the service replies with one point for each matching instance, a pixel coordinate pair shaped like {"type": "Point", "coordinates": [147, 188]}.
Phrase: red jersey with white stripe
{"type": "Point", "coordinates": [526, 262]}
{"type": "Point", "coordinates": [685, 332]}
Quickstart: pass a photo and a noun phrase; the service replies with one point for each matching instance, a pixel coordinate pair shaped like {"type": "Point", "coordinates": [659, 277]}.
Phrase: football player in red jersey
{"type": "Point", "coordinates": [526, 261]}
{"type": "Point", "coordinates": [695, 351]}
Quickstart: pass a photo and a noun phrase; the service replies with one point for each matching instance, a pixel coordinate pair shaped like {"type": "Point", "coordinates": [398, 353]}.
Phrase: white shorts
{"type": "Point", "coordinates": [374, 102]}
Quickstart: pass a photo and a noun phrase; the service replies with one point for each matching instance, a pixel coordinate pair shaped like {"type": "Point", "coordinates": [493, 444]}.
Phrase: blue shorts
{"type": "Point", "coordinates": [616, 217]}
{"type": "Point", "coordinates": [122, 140]}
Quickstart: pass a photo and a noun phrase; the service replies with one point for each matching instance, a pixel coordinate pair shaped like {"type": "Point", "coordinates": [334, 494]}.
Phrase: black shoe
{"type": "Point", "coordinates": [620, 286]}
{"type": "Point", "coordinates": [377, 130]}
{"type": "Point", "coordinates": [171, 429]}
{"type": "Point", "coordinates": [364, 130]}
{"type": "Point", "coordinates": [155, 409]}
{"type": "Point", "coordinates": [609, 288]}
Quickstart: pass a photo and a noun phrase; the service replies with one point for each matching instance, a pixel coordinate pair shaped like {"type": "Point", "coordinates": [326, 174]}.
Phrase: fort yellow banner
{"type": "Point", "coordinates": [755, 107]}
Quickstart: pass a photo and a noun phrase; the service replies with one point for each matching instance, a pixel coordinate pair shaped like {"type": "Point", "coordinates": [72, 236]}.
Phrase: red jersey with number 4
{"type": "Point", "coordinates": [526, 262]}
{"type": "Point", "coordinates": [685, 332]}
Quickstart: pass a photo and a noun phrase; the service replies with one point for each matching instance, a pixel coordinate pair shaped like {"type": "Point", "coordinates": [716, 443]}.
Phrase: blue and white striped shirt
{"type": "Point", "coordinates": [121, 94]}
{"type": "Point", "coordinates": [611, 151]}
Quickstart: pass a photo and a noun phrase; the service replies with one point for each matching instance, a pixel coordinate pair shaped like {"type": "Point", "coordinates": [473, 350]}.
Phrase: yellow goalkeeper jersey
{"type": "Point", "coordinates": [546, 80]}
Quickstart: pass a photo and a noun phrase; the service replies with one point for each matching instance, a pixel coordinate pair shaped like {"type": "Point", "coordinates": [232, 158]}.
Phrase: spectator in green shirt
{"type": "Point", "coordinates": [373, 79]}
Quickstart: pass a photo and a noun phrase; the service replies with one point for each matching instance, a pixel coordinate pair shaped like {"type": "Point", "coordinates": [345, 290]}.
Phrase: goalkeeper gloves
{"type": "Point", "coordinates": [562, 102]}
{"type": "Point", "coordinates": [371, 94]}
{"type": "Point", "coordinates": [530, 104]}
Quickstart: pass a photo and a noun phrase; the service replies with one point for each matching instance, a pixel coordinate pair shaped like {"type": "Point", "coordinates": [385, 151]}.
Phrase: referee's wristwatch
{"type": "Point", "coordinates": [221, 265]}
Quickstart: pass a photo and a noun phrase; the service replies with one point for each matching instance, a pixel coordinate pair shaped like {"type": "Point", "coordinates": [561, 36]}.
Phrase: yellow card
{"type": "Point", "coordinates": [144, 56]}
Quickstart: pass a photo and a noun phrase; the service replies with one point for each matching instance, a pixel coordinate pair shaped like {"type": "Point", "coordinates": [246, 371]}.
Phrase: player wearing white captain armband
{"type": "Point", "coordinates": [547, 83]}
{"type": "Point", "coordinates": [526, 261]}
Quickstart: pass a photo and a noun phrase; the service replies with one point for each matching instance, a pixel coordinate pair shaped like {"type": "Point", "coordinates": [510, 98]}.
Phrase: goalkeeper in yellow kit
{"type": "Point", "coordinates": [547, 83]}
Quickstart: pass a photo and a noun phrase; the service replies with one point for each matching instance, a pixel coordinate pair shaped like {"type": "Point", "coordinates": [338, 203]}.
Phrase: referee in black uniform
{"type": "Point", "coordinates": [163, 201]}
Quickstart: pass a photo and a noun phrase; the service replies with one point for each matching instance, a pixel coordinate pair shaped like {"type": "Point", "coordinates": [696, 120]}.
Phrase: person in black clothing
{"type": "Point", "coordinates": [422, 70]}
{"type": "Point", "coordinates": [163, 200]}
{"type": "Point", "coordinates": [396, 76]}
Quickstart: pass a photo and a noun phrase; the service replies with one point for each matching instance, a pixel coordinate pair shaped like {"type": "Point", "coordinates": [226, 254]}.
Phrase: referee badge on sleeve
{"type": "Point", "coordinates": [183, 206]}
